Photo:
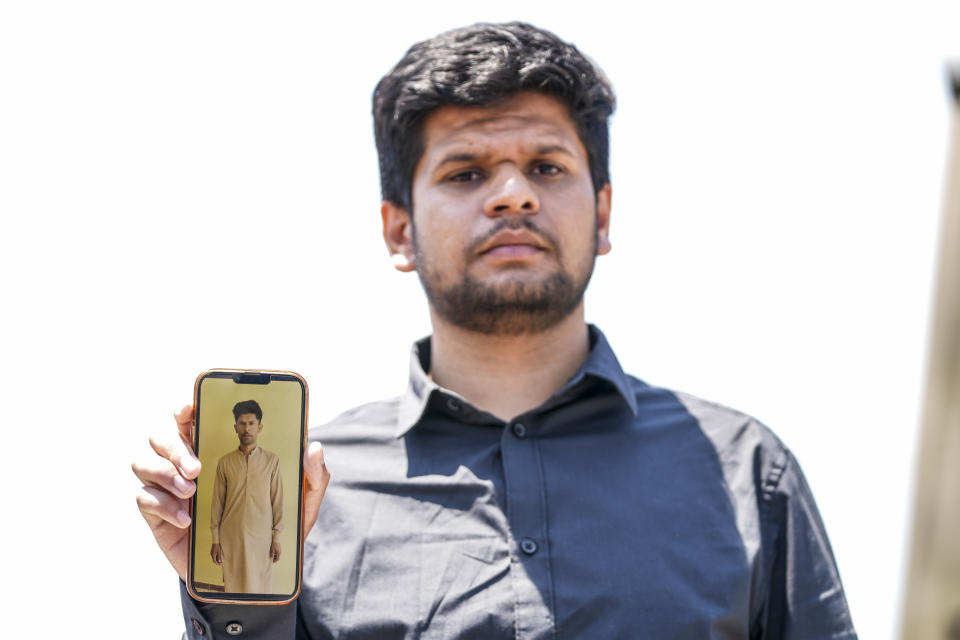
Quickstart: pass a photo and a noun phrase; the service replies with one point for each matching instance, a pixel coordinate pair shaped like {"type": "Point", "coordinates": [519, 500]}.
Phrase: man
{"type": "Point", "coordinates": [525, 486]}
{"type": "Point", "coordinates": [246, 513]}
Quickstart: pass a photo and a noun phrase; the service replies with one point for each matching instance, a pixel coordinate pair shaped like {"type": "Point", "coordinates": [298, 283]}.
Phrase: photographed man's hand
{"type": "Point", "coordinates": [167, 476]}
{"type": "Point", "coordinates": [216, 554]}
{"type": "Point", "coordinates": [275, 551]}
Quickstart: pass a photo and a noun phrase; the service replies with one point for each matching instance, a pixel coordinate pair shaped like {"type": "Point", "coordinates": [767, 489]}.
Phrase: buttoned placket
{"type": "Point", "coordinates": [246, 481]}
{"type": "Point", "coordinates": [527, 514]}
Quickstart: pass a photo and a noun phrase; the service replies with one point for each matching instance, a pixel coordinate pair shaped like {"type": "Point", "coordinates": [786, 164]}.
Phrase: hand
{"type": "Point", "coordinates": [318, 477]}
{"type": "Point", "coordinates": [164, 498]}
{"type": "Point", "coordinates": [275, 551]}
{"type": "Point", "coordinates": [216, 554]}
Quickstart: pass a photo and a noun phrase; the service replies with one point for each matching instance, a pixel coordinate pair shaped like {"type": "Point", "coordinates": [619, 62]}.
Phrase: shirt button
{"type": "Point", "coordinates": [528, 546]}
{"type": "Point", "coordinates": [519, 430]}
{"type": "Point", "coordinates": [234, 628]}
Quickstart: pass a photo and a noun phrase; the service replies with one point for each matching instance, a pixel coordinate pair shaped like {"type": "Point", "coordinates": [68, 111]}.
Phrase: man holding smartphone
{"type": "Point", "coordinates": [246, 513]}
{"type": "Point", "coordinates": [524, 486]}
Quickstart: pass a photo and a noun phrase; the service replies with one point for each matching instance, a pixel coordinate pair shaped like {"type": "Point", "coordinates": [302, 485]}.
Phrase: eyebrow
{"type": "Point", "coordinates": [458, 156]}
{"type": "Point", "coordinates": [554, 148]}
{"type": "Point", "coordinates": [467, 156]}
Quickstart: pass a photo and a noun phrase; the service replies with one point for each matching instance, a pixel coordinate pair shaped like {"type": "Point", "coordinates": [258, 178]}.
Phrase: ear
{"type": "Point", "coordinates": [398, 235]}
{"type": "Point", "coordinates": [604, 196]}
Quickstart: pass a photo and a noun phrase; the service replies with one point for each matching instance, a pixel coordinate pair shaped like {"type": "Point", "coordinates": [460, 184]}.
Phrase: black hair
{"type": "Point", "coordinates": [477, 66]}
{"type": "Point", "coordinates": [247, 406]}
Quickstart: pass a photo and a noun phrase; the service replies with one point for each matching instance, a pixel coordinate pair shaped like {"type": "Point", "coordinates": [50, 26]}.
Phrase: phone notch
{"type": "Point", "coordinates": [248, 377]}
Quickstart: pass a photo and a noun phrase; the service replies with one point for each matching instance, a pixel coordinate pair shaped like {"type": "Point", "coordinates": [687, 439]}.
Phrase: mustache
{"type": "Point", "coordinates": [512, 224]}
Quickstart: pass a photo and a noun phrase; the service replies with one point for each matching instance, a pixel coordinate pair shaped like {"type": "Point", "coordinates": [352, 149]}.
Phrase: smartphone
{"type": "Point", "coordinates": [250, 430]}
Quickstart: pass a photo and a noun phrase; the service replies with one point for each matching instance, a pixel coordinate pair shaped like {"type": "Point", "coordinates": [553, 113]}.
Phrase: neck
{"type": "Point", "coordinates": [507, 375]}
{"type": "Point", "coordinates": [247, 449]}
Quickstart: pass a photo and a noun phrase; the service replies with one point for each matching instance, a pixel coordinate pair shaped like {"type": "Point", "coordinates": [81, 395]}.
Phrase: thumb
{"type": "Point", "coordinates": [314, 465]}
{"type": "Point", "coordinates": [318, 477]}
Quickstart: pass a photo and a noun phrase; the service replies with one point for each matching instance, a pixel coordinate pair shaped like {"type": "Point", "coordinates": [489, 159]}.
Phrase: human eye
{"type": "Point", "coordinates": [465, 175]}
{"type": "Point", "coordinates": [546, 169]}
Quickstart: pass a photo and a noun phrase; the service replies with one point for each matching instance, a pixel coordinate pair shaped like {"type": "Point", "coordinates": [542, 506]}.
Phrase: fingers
{"type": "Point", "coordinates": [168, 472]}
{"type": "Point", "coordinates": [184, 419]}
{"type": "Point", "coordinates": [176, 449]}
{"type": "Point", "coordinates": [160, 473]}
{"type": "Point", "coordinates": [163, 499]}
{"type": "Point", "coordinates": [158, 506]}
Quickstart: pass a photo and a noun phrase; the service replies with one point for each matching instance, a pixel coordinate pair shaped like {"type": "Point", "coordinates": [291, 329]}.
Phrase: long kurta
{"type": "Point", "coordinates": [246, 517]}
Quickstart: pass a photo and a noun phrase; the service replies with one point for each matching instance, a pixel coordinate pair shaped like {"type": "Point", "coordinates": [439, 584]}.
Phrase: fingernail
{"type": "Point", "coordinates": [183, 485]}
{"type": "Point", "coordinates": [183, 517]}
{"type": "Point", "coordinates": [189, 466]}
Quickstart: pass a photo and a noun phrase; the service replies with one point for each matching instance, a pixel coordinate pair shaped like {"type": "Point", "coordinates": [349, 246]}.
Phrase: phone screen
{"type": "Point", "coordinates": [249, 435]}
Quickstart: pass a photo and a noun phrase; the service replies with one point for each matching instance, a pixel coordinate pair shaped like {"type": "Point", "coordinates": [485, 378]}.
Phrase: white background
{"type": "Point", "coordinates": [187, 185]}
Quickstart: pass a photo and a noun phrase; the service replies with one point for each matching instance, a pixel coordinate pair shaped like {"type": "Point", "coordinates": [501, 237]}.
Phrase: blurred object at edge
{"type": "Point", "coordinates": [932, 595]}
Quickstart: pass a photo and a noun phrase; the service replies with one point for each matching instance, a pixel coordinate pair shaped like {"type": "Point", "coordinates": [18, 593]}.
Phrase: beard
{"type": "Point", "coordinates": [508, 308]}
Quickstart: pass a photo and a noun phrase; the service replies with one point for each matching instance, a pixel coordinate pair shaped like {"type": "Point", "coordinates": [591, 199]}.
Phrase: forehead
{"type": "Point", "coordinates": [247, 417]}
{"type": "Point", "coordinates": [525, 119]}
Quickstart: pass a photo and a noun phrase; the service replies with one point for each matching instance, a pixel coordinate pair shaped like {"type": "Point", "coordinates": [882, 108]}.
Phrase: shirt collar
{"type": "Point", "coordinates": [601, 363]}
{"type": "Point", "coordinates": [256, 449]}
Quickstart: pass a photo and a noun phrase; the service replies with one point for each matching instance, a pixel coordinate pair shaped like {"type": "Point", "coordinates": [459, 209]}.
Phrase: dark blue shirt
{"type": "Point", "coordinates": [613, 510]}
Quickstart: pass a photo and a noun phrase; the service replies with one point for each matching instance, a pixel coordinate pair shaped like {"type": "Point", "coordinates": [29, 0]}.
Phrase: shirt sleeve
{"type": "Point", "coordinates": [276, 499]}
{"type": "Point", "coordinates": [806, 599]}
{"type": "Point", "coordinates": [204, 620]}
{"type": "Point", "coordinates": [216, 504]}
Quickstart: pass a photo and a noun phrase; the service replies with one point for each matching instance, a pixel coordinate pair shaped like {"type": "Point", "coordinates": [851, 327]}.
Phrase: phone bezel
{"type": "Point", "coordinates": [250, 598]}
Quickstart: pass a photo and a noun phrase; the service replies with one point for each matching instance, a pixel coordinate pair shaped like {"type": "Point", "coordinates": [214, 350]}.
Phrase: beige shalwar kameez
{"type": "Point", "coordinates": [246, 517]}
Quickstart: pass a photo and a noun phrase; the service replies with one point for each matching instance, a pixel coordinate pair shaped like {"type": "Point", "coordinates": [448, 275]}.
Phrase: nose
{"type": "Point", "coordinates": [511, 193]}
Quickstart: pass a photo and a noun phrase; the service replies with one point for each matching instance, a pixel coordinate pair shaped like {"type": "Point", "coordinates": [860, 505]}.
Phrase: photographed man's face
{"type": "Point", "coordinates": [248, 428]}
{"type": "Point", "coordinates": [506, 220]}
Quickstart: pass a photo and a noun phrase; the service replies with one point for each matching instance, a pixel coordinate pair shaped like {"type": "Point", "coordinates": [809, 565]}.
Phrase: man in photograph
{"type": "Point", "coordinates": [246, 513]}
{"type": "Point", "coordinates": [524, 486]}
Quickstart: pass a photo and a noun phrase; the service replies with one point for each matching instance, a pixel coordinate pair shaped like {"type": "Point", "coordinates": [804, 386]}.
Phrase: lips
{"type": "Point", "coordinates": [508, 251]}
{"type": "Point", "coordinates": [512, 243]}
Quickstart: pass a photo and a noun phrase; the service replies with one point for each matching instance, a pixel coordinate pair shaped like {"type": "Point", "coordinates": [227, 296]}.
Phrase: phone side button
{"type": "Point", "coordinates": [234, 628]}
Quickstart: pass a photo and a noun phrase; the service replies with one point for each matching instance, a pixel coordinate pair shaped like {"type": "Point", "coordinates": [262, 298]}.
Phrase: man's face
{"type": "Point", "coordinates": [248, 428]}
{"type": "Point", "coordinates": [506, 220]}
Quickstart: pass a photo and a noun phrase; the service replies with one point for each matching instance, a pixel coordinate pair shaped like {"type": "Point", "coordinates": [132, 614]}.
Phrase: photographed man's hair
{"type": "Point", "coordinates": [247, 406]}
{"type": "Point", "coordinates": [478, 66]}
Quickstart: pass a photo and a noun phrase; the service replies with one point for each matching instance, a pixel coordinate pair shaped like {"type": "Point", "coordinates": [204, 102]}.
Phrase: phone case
{"type": "Point", "coordinates": [250, 433]}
